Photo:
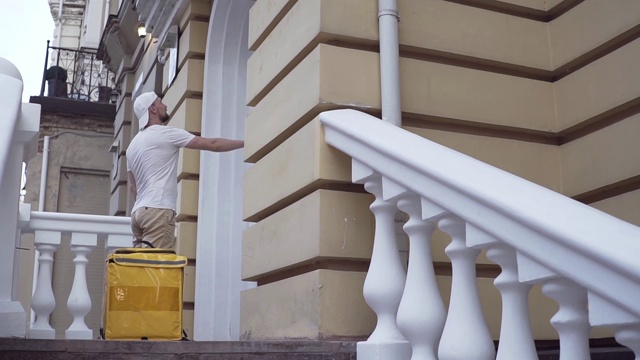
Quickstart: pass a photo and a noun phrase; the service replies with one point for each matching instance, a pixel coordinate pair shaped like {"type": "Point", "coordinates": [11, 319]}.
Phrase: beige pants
{"type": "Point", "coordinates": [156, 226]}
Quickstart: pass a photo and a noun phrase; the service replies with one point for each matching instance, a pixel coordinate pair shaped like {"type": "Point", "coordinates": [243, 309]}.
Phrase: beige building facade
{"type": "Point", "coordinates": [546, 90]}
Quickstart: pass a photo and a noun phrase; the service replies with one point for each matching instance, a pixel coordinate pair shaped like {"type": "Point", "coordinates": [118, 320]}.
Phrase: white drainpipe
{"type": "Point", "coordinates": [43, 174]}
{"type": "Point", "coordinates": [389, 61]}
{"type": "Point", "coordinates": [41, 200]}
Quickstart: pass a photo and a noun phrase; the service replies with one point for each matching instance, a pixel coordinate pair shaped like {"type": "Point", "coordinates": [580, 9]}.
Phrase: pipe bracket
{"type": "Point", "coordinates": [382, 13]}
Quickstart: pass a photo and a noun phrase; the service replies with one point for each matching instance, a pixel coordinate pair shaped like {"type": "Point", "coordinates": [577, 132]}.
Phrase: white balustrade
{"type": "Point", "coordinates": [43, 301]}
{"type": "Point", "coordinates": [384, 283]}
{"type": "Point", "coordinates": [465, 313]}
{"type": "Point", "coordinates": [79, 302]}
{"type": "Point", "coordinates": [84, 231]}
{"type": "Point", "coordinates": [572, 319]}
{"type": "Point", "coordinates": [18, 144]}
{"type": "Point", "coordinates": [534, 234]}
{"type": "Point", "coordinates": [516, 340]}
{"type": "Point", "coordinates": [422, 313]}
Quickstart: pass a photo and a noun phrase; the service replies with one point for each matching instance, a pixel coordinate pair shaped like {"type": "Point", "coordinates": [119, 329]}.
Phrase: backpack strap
{"type": "Point", "coordinates": [140, 242]}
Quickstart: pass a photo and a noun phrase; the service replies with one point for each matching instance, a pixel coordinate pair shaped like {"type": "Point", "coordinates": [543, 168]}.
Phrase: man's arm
{"type": "Point", "coordinates": [132, 185]}
{"type": "Point", "coordinates": [214, 144]}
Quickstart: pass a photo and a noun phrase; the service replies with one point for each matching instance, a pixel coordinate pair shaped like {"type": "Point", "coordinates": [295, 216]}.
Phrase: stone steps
{"type": "Point", "coordinates": [27, 349]}
{"type": "Point", "coordinates": [603, 353]}
{"type": "Point", "coordinates": [601, 349]}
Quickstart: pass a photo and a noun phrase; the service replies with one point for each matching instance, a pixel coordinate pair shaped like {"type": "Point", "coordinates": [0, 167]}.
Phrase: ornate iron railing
{"type": "Point", "coordinates": [78, 75]}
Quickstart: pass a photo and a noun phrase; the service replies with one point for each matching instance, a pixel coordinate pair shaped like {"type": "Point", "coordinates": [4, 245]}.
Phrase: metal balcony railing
{"type": "Point", "coordinates": [78, 75]}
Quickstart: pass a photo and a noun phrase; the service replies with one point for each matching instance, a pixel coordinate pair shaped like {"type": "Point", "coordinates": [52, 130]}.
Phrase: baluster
{"type": "Point", "coordinates": [465, 334]}
{"type": "Point", "coordinates": [384, 283]}
{"type": "Point", "coordinates": [516, 340]}
{"type": "Point", "coordinates": [603, 313]}
{"type": "Point", "coordinates": [79, 302]}
{"type": "Point", "coordinates": [43, 301]}
{"type": "Point", "coordinates": [629, 336]}
{"type": "Point", "coordinates": [572, 319]}
{"type": "Point", "coordinates": [421, 314]}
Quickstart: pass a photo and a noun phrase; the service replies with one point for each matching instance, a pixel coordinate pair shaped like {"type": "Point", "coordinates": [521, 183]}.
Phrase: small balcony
{"type": "Point", "coordinates": [77, 75]}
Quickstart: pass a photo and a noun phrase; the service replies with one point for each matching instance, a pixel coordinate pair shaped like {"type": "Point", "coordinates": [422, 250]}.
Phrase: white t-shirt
{"type": "Point", "coordinates": [152, 157]}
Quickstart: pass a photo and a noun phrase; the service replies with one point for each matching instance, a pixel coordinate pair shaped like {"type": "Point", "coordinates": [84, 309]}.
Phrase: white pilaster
{"type": "Point", "coordinates": [11, 311]}
{"type": "Point", "coordinates": [13, 319]}
{"type": "Point", "coordinates": [17, 144]}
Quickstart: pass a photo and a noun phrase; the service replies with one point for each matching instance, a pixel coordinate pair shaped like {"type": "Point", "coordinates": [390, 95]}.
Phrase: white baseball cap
{"type": "Point", "coordinates": [141, 107]}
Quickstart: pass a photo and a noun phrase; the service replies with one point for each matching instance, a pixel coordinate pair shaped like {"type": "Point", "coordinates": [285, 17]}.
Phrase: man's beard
{"type": "Point", "coordinates": [164, 118]}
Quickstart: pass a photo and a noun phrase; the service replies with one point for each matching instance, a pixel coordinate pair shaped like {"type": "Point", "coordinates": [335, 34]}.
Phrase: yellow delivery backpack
{"type": "Point", "coordinates": [143, 295]}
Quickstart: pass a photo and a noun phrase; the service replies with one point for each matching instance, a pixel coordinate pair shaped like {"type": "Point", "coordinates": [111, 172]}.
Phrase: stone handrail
{"type": "Point", "coordinates": [585, 259]}
{"type": "Point", "coordinates": [48, 229]}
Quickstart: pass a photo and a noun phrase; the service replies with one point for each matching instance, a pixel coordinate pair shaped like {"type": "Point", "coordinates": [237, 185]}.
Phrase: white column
{"type": "Point", "coordinates": [17, 144]}
{"type": "Point", "coordinates": [79, 302]}
{"type": "Point", "coordinates": [465, 334]}
{"type": "Point", "coordinates": [43, 302]}
{"type": "Point", "coordinates": [572, 319]}
{"type": "Point", "coordinates": [12, 314]}
{"type": "Point", "coordinates": [384, 283]}
{"type": "Point", "coordinates": [516, 340]}
{"type": "Point", "coordinates": [421, 314]}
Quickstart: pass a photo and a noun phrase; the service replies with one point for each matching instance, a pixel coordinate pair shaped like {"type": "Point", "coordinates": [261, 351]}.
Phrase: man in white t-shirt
{"type": "Point", "coordinates": [152, 166]}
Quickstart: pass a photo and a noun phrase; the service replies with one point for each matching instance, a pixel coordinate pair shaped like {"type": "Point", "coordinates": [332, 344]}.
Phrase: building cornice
{"type": "Point", "coordinates": [71, 10]}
